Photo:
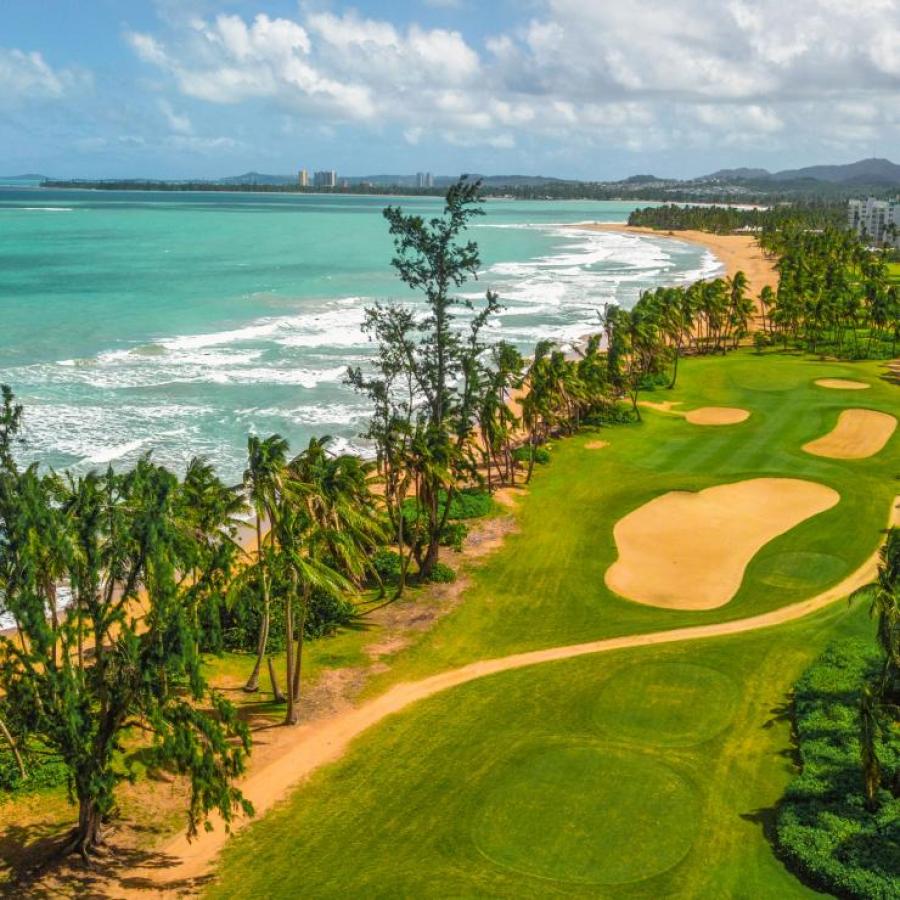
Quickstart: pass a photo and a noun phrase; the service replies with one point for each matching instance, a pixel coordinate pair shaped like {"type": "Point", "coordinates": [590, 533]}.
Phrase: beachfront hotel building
{"type": "Point", "coordinates": [303, 178]}
{"type": "Point", "coordinates": [876, 221]}
{"type": "Point", "coordinates": [424, 180]}
{"type": "Point", "coordinates": [326, 179]}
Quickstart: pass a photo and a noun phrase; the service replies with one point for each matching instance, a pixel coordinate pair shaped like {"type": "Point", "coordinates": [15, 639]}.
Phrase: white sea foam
{"type": "Point", "coordinates": [125, 400]}
{"type": "Point", "coordinates": [117, 451]}
{"type": "Point", "coordinates": [39, 208]}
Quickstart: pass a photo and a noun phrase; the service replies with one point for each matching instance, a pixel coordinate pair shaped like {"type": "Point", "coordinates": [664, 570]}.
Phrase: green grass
{"type": "Point", "coordinates": [642, 773]}
{"type": "Point", "coordinates": [550, 781]}
{"type": "Point", "coordinates": [546, 588]}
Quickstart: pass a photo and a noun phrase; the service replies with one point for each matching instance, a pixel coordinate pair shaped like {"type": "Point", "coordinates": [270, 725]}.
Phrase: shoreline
{"type": "Point", "coordinates": [737, 252]}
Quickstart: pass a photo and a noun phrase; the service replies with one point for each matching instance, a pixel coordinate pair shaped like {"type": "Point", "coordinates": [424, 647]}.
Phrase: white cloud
{"type": "Point", "coordinates": [660, 73]}
{"type": "Point", "coordinates": [26, 76]}
{"type": "Point", "coordinates": [180, 124]}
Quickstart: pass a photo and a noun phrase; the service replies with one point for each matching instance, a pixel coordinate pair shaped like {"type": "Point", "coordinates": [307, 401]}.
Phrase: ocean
{"type": "Point", "coordinates": [179, 323]}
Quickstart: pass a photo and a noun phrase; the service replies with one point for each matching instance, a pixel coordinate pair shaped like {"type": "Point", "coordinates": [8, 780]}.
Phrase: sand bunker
{"type": "Point", "coordinates": [705, 415]}
{"type": "Point", "coordinates": [717, 415]}
{"type": "Point", "coordinates": [689, 551]}
{"type": "Point", "coordinates": [842, 384]}
{"type": "Point", "coordinates": [859, 433]}
{"type": "Point", "coordinates": [596, 445]}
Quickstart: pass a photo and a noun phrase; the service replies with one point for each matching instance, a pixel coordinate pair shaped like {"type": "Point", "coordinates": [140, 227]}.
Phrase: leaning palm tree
{"type": "Point", "coordinates": [266, 460]}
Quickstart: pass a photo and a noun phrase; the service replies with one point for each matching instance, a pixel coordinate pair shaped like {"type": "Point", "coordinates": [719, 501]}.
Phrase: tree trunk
{"type": "Point", "coordinates": [298, 664]}
{"type": "Point", "coordinates": [252, 684]}
{"type": "Point", "coordinates": [277, 694]}
{"type": "Point", "coordinates": [7, 736]}
{"type": "Point", "coordinates": [292, 716]}
{"type": "Point", "coordinates": [88, 833]}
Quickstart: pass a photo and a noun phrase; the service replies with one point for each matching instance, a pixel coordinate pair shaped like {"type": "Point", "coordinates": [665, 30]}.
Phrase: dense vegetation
{"type": "Point", "coordinates": [727, 219]}
{"type": "Point", "coordinates": [833, 294]}
{"type": "Point", "coordinates": [824, 827]}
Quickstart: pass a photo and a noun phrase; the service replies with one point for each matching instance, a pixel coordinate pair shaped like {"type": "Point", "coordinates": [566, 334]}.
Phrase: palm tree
{"type": "Point", "coordinates": [266, 460]}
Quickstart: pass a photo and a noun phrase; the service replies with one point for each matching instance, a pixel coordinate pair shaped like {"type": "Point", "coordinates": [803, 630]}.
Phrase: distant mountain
{"type": "Point", "coordinates": [743, 174]}
{"type": "Point", "coordinates": [880, 172]}
{"type": "Point", "coordinates": [866, 171]}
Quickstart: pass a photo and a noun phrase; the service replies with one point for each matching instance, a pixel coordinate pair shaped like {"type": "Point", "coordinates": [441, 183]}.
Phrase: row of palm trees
{"type": "Point", "coordinates": [833, 293]}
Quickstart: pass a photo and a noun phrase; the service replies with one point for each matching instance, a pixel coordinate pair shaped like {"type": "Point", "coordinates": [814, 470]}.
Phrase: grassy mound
{"type": "Point", "coordinates": [585, 814]}
{"type": "Point", "coordinates": [824, 829]}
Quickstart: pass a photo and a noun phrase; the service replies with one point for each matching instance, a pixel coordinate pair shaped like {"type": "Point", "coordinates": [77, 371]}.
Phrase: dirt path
{"type": "Point", "coordinates": [181, 867]}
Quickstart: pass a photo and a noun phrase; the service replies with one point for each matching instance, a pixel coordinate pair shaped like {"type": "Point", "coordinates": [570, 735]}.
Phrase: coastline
{"type": "Point", "coordinates": [737, 252]}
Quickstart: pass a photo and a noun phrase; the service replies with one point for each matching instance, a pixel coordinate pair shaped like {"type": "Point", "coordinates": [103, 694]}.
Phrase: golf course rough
{"type": "Point", "coordinates": [605, 816]}
{"type": "Point", "coordinates": [686, 550]}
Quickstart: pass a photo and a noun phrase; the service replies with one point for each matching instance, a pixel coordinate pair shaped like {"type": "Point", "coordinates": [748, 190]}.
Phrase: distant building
{"type": "Point", "coordinates": [327, 179]}
{"type": "Point", "coordinates": [424, 180]}
{"type": "Point", "coordinates": [303, 178]}
{"type": "Point", "coordinates": [876, 221]}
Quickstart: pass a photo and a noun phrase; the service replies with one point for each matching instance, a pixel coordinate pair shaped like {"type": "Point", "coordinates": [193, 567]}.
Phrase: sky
{"type": "Point", "coordinates": [594, 89]}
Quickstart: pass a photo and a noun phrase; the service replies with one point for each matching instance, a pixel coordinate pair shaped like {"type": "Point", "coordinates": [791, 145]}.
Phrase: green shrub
{"type": "Point", "coordinates": [388, 565]}
{"type": "Point", "coordinates": [470, 503]}
{"type": "Point", "coordinates": [823, 828]}
{"type": "Point", "coordinates": [454, 534]}
{"type": "Point", "coordinates": [240, 622]}
{"type": "Point", "coordinates": [611, 414]}
{"type": "Point", "coordinates": [442, 574]}
{"type": "Point", "coordinates": [45, 770]}
{"type": "Point", "coordinates": [523, 455]}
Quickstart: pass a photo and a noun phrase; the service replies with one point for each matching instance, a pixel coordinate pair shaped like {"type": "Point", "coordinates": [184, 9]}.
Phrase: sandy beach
{"type": "Point", "coordinates": [738, 252]}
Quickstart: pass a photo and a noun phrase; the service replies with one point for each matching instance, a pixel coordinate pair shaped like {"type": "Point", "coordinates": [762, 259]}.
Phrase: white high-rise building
{"type": "Point", "coordinates": [303, 178]}
{"type": "Point", "coordinates": [325, 179]}
{"type": "Point", "coordinates": [424, 180]}
{"type": "Point", "coordinates": [876, 221]}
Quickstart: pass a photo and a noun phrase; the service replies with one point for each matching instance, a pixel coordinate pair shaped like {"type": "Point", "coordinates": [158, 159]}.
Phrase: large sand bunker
{"type": "Point", "coordinates": [717, 415]}
{"type": "Point", "coordinates": [842, 384]}
{"type": "Point", "coordinates": [688, 550]}
{"type": "Point", "coordinates": [859, 433]}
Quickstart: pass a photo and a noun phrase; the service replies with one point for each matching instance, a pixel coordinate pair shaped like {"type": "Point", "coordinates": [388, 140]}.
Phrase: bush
{"type": "Point", "coordinates": [470, 503]}
{"type": "Point", "coordinates": [44, 770]}
{"type": "Point", "coordinates": [612, 414]}
{"type": "Point", "coordinates": [823, 827]}
{"type": "Point", "coordinates": [240, 623]}
{"type": "Point", "coordinates": [454, 534]}
{"type": "Point", "coordinates": [442, 574]}
{"type": "Point", "coordinates": [523, 455]}
{"type": "Point", "coordinates": [388, 565]}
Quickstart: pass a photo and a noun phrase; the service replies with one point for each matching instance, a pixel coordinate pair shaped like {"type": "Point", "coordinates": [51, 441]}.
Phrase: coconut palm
{"type": "Point", "coordinates": [266, 461]}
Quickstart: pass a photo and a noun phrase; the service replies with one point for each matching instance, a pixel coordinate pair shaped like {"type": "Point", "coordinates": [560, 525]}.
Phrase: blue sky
{"type": "Point", "coordinates": [575, 88]}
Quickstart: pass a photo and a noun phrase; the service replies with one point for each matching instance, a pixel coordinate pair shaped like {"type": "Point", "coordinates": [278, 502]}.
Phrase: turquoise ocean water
{"type": "Point", "coordinates": [178, 323]}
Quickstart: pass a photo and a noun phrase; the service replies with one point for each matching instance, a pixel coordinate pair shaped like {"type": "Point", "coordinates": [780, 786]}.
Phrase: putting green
{"type": "Point", "coordinates": [604, 816]}
{"type": "Point", "coordinates": [672, 704]}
